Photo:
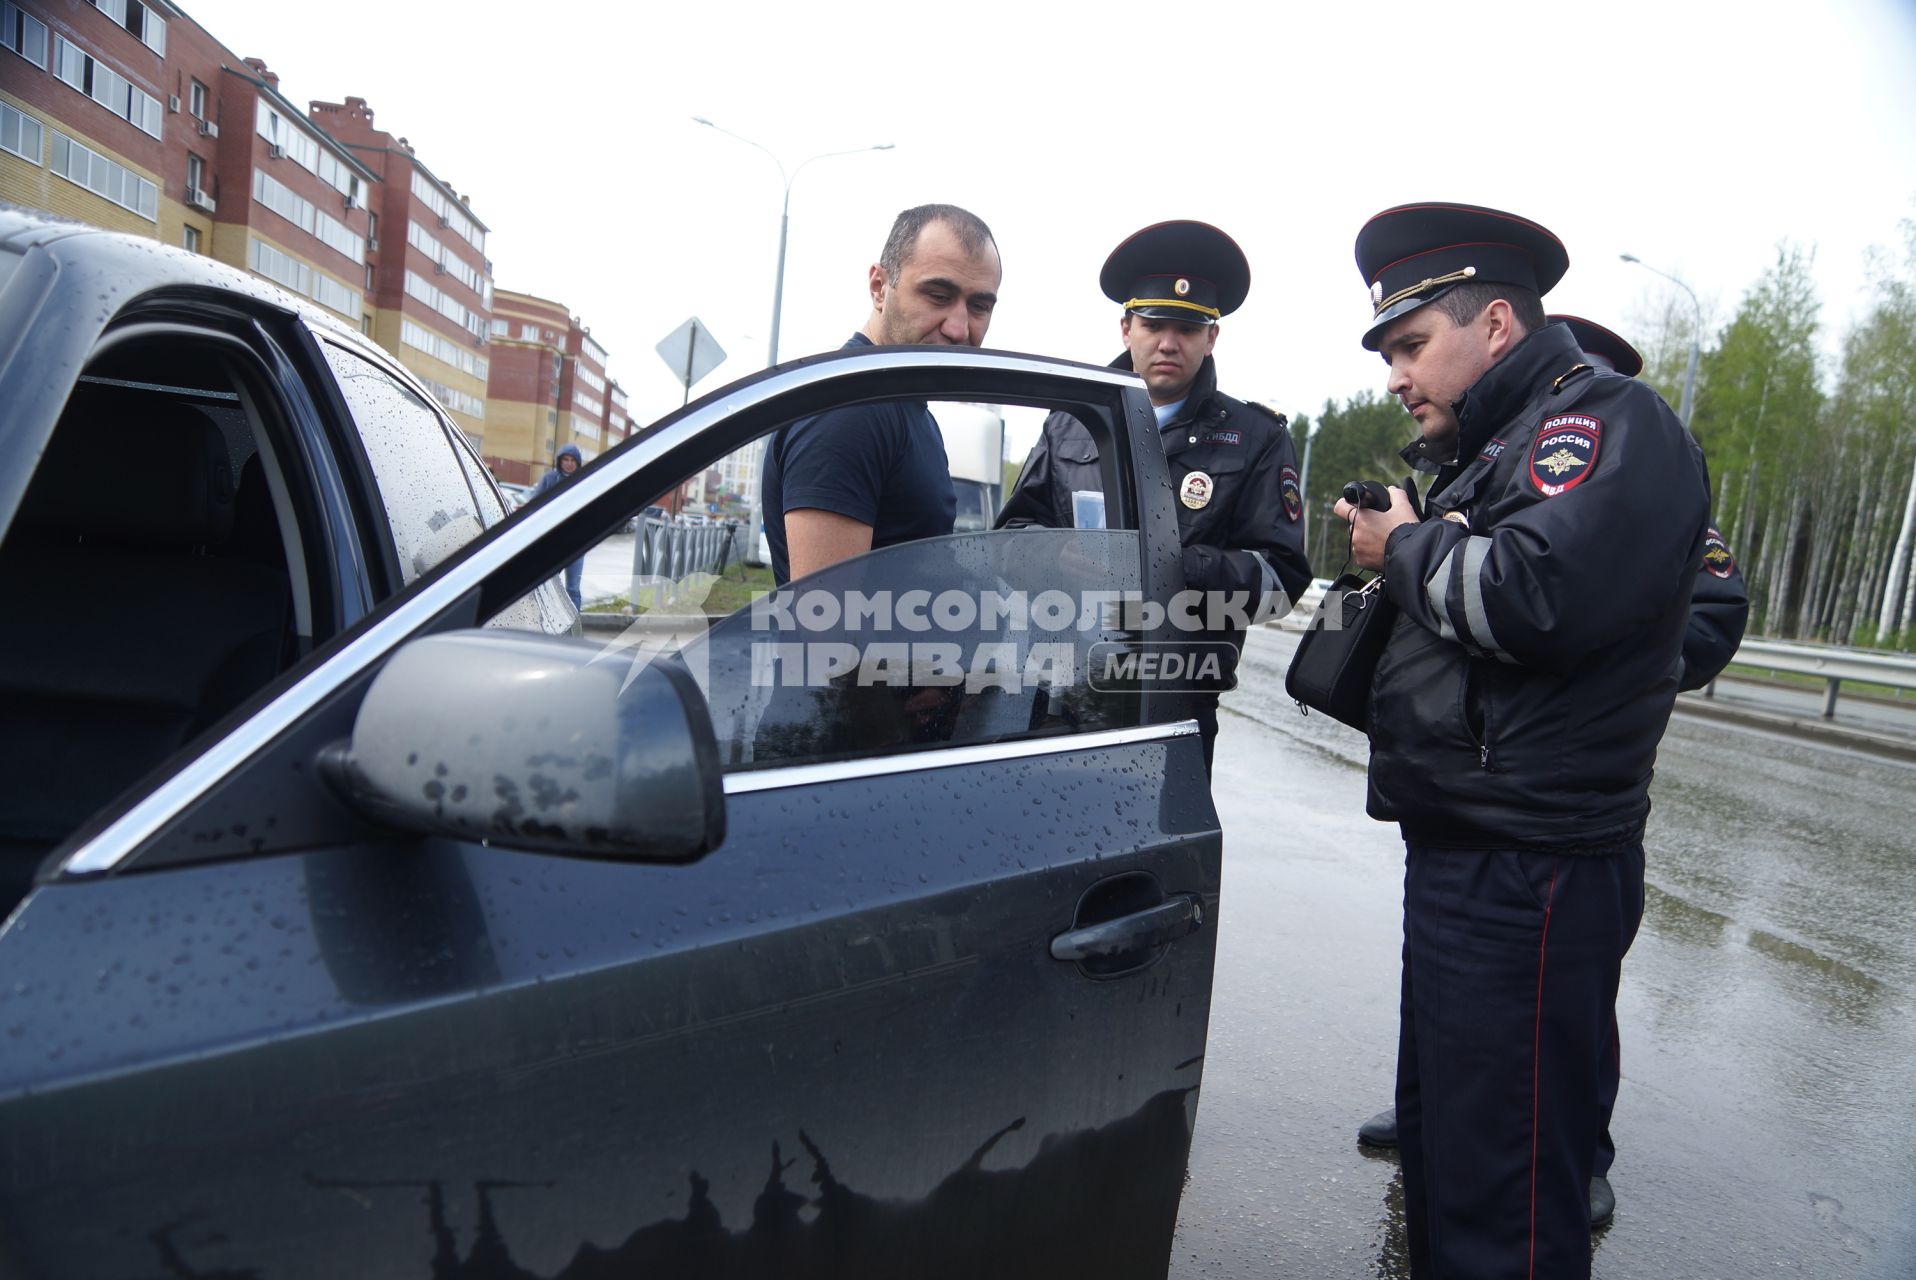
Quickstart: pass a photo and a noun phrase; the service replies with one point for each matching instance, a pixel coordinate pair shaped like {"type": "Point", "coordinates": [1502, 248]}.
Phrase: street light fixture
{"type": "Point", "coordinates": [785, 214]}
{"type": "Point", "coordinates": [1696, 336]}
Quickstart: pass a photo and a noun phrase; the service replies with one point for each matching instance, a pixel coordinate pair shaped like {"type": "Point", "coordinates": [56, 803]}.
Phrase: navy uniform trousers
{"type": "Point", "coordinates": [1511, 962]}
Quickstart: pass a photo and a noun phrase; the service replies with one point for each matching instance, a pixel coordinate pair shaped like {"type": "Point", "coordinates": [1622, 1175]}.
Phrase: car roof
{"type": "Point", "coordinates": [148, 264]}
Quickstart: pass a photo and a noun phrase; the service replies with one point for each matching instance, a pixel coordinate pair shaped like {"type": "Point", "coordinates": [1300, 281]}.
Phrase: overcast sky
{"type": "Point", "coordinates": [1696, 136]}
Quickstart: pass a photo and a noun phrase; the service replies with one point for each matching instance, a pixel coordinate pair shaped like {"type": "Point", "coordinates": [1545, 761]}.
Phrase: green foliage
{"type": "Point", "coordinates": [1757, 412]}
{"type": "Point", "coordinates": [1357, 440]}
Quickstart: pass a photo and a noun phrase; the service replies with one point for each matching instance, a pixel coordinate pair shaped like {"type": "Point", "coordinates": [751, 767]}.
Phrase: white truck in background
{"type": "Point", "coordinates": [974, 446]}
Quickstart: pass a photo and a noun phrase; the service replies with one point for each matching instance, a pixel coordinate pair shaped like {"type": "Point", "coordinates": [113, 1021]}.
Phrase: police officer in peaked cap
{"type": "Point", "coordinates": [1239, 506]}
{"type": "Point", "coordinates": [1542, 594]}
{"type": "Point", "coordinates": [1719, 610]}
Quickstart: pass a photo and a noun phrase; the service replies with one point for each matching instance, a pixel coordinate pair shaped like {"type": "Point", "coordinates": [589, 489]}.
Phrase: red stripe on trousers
{"type": "Point", "coordinates": [1536, 1061]}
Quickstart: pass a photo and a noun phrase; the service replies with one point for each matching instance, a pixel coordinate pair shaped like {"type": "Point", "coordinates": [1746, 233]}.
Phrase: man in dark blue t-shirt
{"type": "Point", "coordinates": [851, 480]}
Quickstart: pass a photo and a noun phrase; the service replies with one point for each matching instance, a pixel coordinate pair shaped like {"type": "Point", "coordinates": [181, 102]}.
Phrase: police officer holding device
{"type": "Point", "coordinates": [1240, 510]}
{"type": "Point", "coordinates": [1719, 609]}
{"type": "Point", "coordinates": [1514, 717]}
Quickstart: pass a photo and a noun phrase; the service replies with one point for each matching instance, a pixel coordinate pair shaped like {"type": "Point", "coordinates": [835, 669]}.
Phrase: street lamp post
{"type": "Point", "coordinates": [1696, 336]}
{"type": "Point", "coordinates": [785, 215]}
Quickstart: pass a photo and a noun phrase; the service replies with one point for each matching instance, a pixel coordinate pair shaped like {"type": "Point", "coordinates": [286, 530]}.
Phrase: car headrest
{"type": "Point", "coordinates": [132, 467]}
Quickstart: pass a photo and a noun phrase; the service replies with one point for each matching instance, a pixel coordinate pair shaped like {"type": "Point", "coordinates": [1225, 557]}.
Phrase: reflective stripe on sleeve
{"type": "Point", "coordinates": [1476, 617]}
{"type": "Point", "coordinates": [1436, 590]}
{"type": "Point", "coordinates": [1272, 601]}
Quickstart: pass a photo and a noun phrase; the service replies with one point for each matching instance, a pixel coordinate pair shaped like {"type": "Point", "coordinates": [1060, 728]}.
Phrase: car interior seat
{"type": "Point", "coordinates": [125, 633]}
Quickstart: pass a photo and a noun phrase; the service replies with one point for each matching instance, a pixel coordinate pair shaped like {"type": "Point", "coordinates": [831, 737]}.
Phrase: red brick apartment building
{"type": "Point", "coordinates": [431, 279]}
{"type": "Point", "coordinates": [125, 114]}
{"type": "Point", "coordinates": [129, 115]}
{"type": "Point", "coordinates": [548, 389]}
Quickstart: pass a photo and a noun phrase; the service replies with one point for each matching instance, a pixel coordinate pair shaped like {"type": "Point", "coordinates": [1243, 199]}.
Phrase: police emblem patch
{"type": "Point", "coordinates": [1292, 495]}
{"type": "Point", "coordinates": [1716, 554]}
{"type": "Point", "coordinates": [1195, 491]}
{"type": "Point", "coordinates": [1565, 452]}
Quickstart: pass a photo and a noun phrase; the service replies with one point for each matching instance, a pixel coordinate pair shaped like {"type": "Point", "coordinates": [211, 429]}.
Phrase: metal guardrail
{"type": "Point", "coordinates": [1832, 663]}
{"type": "Point", "coordinates": [665, 555]}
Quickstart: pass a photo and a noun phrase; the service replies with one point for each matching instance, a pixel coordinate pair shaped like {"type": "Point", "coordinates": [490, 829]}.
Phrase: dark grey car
{"type": "Point", "coordinates": [392, 935]}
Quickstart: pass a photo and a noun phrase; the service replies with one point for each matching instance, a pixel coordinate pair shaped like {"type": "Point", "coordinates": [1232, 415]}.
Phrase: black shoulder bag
{"type": "Point", "coordinates": [1338, 652]}
{"type": "Point", "coordinates": [1339, 649]}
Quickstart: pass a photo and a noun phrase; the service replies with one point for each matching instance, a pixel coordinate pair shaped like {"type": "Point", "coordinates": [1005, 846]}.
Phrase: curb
{"type": "Point", "coordinates": [1889, 745]}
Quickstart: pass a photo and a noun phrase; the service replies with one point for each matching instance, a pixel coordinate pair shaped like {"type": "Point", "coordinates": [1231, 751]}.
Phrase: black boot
{"type": "Point", "coordinates": [1379, 1131]}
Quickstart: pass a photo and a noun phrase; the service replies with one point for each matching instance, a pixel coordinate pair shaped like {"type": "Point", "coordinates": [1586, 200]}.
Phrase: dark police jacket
{"type": "Point", "coordinates": [1542, 606]}
{"type": "Point", "coordinates": [1719, 610]}
{"type": "Point", "coordinates": [1247, 539]}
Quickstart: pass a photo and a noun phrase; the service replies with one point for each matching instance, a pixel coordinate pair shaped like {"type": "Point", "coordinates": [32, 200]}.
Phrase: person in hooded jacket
{"type": "Point", "coordinates": [565, 466]}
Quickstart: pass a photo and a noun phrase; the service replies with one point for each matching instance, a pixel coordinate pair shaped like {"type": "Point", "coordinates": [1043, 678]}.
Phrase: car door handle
{"type": "Point", "coordinates": [1174, 918]}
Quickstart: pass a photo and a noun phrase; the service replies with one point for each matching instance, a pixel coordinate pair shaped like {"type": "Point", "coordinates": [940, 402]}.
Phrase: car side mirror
{"type": "Point", "coordinates": [536, 742]}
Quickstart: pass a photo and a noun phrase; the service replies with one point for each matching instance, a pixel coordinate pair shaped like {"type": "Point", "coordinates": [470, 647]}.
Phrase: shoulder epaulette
{"type": "Point", "coordinates": [1282, 420]}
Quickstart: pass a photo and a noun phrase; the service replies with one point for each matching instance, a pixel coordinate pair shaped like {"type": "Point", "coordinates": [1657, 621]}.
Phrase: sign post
{"type": "Point", "coordinates": [690, 352]}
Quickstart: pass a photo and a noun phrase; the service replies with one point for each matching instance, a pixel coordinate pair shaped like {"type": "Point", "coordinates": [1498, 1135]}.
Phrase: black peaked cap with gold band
{"type": "Point", "coordinates": [1602, 346]}
{"type": "Point", "coordinates": [1187, 271]}
{"type": "Point", "coordinates": [1416, 253]}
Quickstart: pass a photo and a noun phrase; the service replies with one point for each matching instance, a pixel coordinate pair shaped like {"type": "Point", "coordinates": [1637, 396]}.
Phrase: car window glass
{"type": "Point", "coordinates": [491, 508]}
{"type": "Point", "coordinates": [429, 506]}
{"type": "Point", "coordinates": [949, 641]}
{"type": "Point", "coordinates": [150, 510]}
{"type": "Point", "coordinates": [982, 636]}
{"type": "Point", "coordinates": [974, 437]}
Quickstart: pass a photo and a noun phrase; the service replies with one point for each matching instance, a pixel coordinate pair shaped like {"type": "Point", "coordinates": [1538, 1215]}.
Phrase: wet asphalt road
{"type": "Point", "coordinates": [1767, 1118]}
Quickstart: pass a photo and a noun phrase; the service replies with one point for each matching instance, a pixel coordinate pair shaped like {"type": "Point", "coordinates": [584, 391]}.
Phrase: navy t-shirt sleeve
{"type": "Point", "coordinates": [838, 462]}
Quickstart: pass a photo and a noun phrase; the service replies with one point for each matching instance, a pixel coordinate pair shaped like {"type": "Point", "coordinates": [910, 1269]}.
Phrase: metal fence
{"type": "Point", "coordinates": [1834, 664]}
{"type": "Point", "coordinates": [666, 555]}
{"type": "Point", "coordinates": [1831, 662]}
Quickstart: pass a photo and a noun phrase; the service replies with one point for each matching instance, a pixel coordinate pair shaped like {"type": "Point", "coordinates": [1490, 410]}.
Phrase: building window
{"type": "Point", "coordinates": [104, 85]}
{"type": "Point", "coordinates": [366, 325]}
{"type": "Point", "coordinates": [301, 212]}
{"type": "Point", "coordinates": [23, 33]}
{"type": "Point", "coordinates": [438, 347]}
{"type": "Point", "coordinates": [501, 328]}
{"type": "Point", "coordinates": [302, 279]}
{"type": "Point", "coordinates": [195, 173]}
{"type": "Point", "coordinates": [21, 134]}
{"type": "Point", "coordinates": [445, 304]}
{"type": "Point", "coordinates": [80, 164]}
{"type": "Point", "coordinates": [190, 238]}
{"type": "Point", "coordinates": [196, 100]}
{"type": "Point", "coordinates": [150, 27]}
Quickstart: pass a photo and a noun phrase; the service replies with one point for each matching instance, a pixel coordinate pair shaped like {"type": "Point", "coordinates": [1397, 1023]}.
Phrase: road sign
{"type": "Point", "coordinates": [690, 352]}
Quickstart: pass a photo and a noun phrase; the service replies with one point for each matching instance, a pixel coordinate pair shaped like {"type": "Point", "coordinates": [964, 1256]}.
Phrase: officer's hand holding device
{"type": "Point", "coordinates": [1388, 507]}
